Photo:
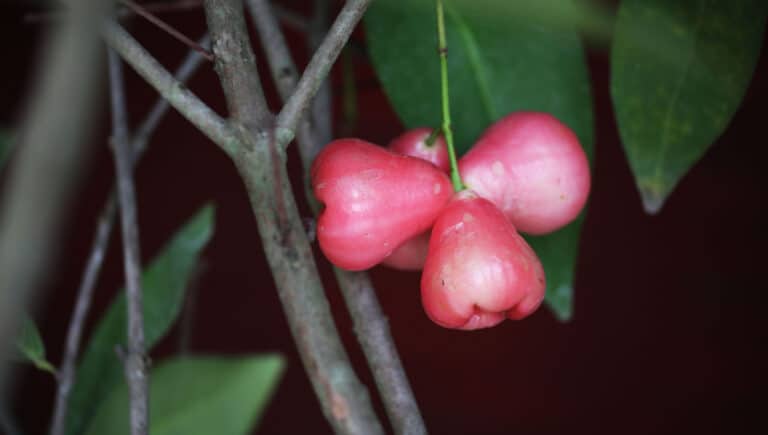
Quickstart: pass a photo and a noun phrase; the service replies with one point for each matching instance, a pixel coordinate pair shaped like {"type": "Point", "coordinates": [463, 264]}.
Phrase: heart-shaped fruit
{"type": "Point", "coordinates": [414, 143]}
{"type": "Point", "coordinates": [533, 168]}
{"type": "Point", "coordinates": [479, 270]}
{"type": "Point", "coordinates": [374, 200]}
{"type": "Point", "coordinates": [413, 252]}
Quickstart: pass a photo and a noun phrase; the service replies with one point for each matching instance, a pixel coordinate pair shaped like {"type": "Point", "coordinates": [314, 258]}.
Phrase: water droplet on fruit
{"type": "Point", "coordinates": [437, 188]}
{"type": "Point", "coordinates": [468, 218]}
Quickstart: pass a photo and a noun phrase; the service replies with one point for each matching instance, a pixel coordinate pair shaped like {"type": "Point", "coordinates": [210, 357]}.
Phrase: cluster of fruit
{"type": "Point", "coordinates": [397, 207]}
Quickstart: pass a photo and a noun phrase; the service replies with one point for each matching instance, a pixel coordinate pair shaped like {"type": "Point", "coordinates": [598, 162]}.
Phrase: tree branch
{"type": "Point", "coordinates": [372, 331]}
{"type": "Point", "coordinates": [236, 64]}
{"type": "Point", "coordinates": [67, 375]}
{"type": "Point", "coordinates": [183, 73]}
{"type": "Point", "coordinates": [194, 110]}
{"type": "Point", "coordinates": [370, 324]}
{"type": "Point", "coordinates": [50, 155]}
{"type": "Point", "coordinates": [134, 360]}
{"type": "Point", "coordinates": [262, 165]}
{"type": "Point", "coordinates": [184, 39]}
{"type": "Point", "coordinates": [344, 400]}
{"type": "Point", "coordinates": [321, 63]}
{"type": "Point", "coordinates": [322, 105]}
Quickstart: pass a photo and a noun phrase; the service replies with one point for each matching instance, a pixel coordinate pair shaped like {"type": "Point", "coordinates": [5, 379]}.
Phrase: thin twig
{"type": "Point", "coordinates": [67, 376]}
{"type": "Point", "coordinates": [191, 107]}
{"type": "Point", "coordinates": [183, 73]}
{"type": "Point", "coordinates": [321, 63]}
{"type": "Point", "coordinates": [106, 221]}
{"type": "Point", "coordinates": [290, 18]}
{"type": "Point", "coordinates": [167, 28]}
{"type": "Point", "coordinates": [322, 105]}
{"type": "Point", "coordinates": [134, 359]}
{"type": "Point", "coordinates": [47, 166]}
{"type": "Point", "coordinates": [370, 323]}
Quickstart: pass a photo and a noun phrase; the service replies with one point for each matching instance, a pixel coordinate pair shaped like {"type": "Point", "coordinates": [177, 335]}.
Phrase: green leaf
{"type": "Point", "coordinates": [198, 395]}
{"type": "Point", "coordinates": [31, 347]}
{"type": "Point", "coordinates": [164, 283]}
{"type": "Point", "coordinates": [502, 57]}
{"type": "Point", "coordinates": [679, 72]}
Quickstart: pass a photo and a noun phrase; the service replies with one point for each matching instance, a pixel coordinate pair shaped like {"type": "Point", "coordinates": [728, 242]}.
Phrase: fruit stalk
{"type": "Point", "coordinates": [442, 50]}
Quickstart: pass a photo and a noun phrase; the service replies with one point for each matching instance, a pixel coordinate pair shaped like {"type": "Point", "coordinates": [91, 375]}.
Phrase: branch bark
{"type": "Point", "coordinates": [236, 64]}
{"type": "Point", "coordinates": [47, 167]}
{"type": "Point", "coordinates": [370, 324]}
{"type": "Point", "coordinates": [262, 165]}
{"type": "Point", "coordinates": [106, 221]}
{"type": "Point", "coordinates": [321, 63]}
{"type": "Point", "coordinates": [134, 359]}
{"type": "Point", "coordinates": [194, 110]}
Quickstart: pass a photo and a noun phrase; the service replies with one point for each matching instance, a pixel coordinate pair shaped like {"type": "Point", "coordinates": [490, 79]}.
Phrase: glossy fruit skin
{"type": "Point", "coordinates": [413, 143]}
{"type": "Point", "coordinates": [413, 252]}
{"type": "Point", "coordinates": [374, 200]}
{"type": "Point", "coordinates": [479, 269]}
{"type": "Point", "coordinates": [533, 168]}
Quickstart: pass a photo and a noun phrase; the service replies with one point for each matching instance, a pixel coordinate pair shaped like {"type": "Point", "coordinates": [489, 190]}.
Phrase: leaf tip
{"type": "Point", "coordinates": [653, 198]}
{"type": "Point", "coordinates": [560, 301]}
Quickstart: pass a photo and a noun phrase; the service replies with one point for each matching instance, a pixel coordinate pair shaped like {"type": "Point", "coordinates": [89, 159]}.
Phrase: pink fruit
{"type": "Point", "coordinates": [413, 252]}
{"type": "Point", "coordinates": [413, 143]}
{"type": "Point", "coordinates": [533, 168]}
{"type": "Point", "coordinates": [479, 270]}
{"type": "Point", "coordinates": [374, 201]}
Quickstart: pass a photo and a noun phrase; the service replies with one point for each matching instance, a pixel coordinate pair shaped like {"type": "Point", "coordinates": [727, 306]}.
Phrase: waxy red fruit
{"type": "Point", "coordinates": [413, 252]}
{"type": "Point", "coordinates": [374, 201]}
{"type": "Point", "coordinates": [410, 255]}
{"type": "Point", "coordinates": [479, 270]}
{"type": "Point", "coordinates": [414, 143]}
{"type": "Point", "coordinates": [533, 168]}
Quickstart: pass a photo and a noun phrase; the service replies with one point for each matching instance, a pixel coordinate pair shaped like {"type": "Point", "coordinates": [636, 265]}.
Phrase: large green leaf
{"type": "Point", "coordinates": [31, 347]}
{"type": "Point", "coordinates": [164, 283]}
{"type": "Point", "coordinates": [198, 395]}
{"type": "Point", "coordinates": [679, 71]}
{"type": "Point", "coordinates": [502, 57]}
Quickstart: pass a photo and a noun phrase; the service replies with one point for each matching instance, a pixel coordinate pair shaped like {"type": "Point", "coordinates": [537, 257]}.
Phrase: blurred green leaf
{"type": "Point", "coordinates": [198, 395]}
{"type": "Point", "coordinates": [679, 72]}
{"type": "Point", "coordinates": [164, 283]}
{"type": "Point", "coordinates": [31, 347]}
{"type": "Point", "coordinates": [502, 57]}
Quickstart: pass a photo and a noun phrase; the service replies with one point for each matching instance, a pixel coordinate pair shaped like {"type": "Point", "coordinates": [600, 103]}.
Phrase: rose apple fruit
{"type": "Point", "coordinates": [414, 143]}
{"type": "Point", "coordinates": [412, 253]}
{"type": "Point", "coordinates": [533, 168]}
{"type": "Point", "coordinates": [374, 200]}
{"type": "Point", "coordinates": [479, 269]}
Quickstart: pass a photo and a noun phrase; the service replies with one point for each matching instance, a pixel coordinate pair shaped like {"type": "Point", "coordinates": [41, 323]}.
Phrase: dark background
{"type": "Point", "coordinates": [669, 331]}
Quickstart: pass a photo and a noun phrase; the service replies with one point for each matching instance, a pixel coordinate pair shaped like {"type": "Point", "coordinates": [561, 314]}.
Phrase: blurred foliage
{"type": "Point", "coordinates": [164, 283]}
{"type": "Point", "coordinates": [31, 347]}
{"type": "Point", "coordinates": [197, 395]}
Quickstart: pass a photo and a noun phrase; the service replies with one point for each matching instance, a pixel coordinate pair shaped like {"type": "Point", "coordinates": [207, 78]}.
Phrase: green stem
{"type": "Point", "coordinates": [433, 136]}
{"type": "Point", "coordinates": [458, 185]}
